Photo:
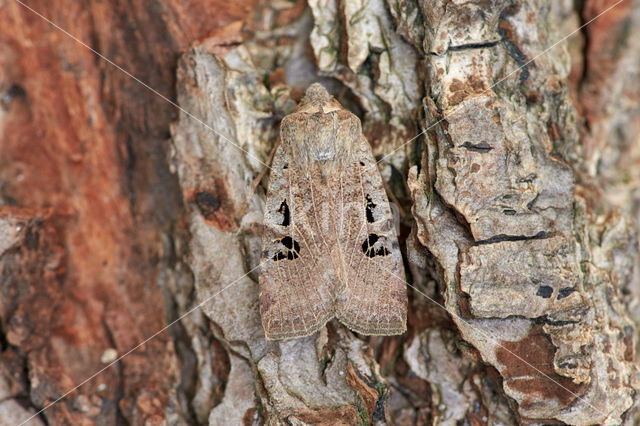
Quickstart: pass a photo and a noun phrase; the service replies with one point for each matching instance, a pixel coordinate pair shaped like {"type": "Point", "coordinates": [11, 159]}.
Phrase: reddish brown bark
{"type": "Point", "coordinates": [83, 147]}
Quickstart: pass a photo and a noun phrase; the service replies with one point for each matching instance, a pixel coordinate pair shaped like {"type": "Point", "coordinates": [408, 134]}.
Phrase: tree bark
{"type": "Point", "coordinates": [120, 213]}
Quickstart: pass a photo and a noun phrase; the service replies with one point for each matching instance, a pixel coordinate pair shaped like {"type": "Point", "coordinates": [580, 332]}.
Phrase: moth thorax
{"type": "Point", "coordinates": [318, 150]}
{"type": "Point", "coordinates": [327, 150]}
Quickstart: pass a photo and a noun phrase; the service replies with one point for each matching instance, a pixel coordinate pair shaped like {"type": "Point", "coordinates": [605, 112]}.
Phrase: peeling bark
{"type": "Point", "coordinates": [120, 214]}
{"type": "Point", "coordinates": [525, 281]}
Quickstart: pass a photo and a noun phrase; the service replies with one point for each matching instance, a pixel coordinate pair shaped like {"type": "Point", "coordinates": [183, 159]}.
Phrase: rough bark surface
{"type": "Point", "coordinates": [525, 279]}
{"type": "Point", "coordinates": [518, 206]}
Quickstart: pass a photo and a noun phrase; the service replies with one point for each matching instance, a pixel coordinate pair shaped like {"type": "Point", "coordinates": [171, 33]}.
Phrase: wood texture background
{"type": "Point", "coordinates": [99, 206]}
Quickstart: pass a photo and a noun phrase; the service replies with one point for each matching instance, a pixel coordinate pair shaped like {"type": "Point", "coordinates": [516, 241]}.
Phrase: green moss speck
{"type": "Point", "coordinates": [625, 178]}
{"type": "Point", "coordinates": [363, 415]}
{"type": "Point", "coordinates": [583, 266]}
{"type": "Point", "coordinates": [428, 194]}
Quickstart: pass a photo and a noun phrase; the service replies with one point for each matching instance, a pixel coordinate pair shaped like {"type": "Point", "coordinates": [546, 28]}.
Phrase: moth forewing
{"type": "Point", "coordinates": [295, 298]}
{"type": "Point", "coordinates": [329, 244]}
{"type": "Point", "coordinates": [374, 300]}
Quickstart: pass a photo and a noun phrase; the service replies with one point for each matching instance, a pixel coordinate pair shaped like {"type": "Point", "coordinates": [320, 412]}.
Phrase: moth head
{"type": "Point", "coordinates": [317, 99]}
{"type": "Point", "coordinates": [316, 93]}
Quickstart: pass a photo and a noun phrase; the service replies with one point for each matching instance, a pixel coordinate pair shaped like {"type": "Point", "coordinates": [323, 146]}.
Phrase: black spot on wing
{"type": "Point", "coordinates": [290, 244]}
{"type": "Point", "coordinates": [279, 256]}
{"type": "Point", "coordinates": [370, 206]}
{"type": "Point", "coordinates": [291, 249]}
{"type": "Point", "coordinates": [372, 239]}
{"type": "Point", "coordinates": [382, 251]}
{"type": "Point", "coordinates": [286, 215]}
{"type": "Point", "coordinates": [369, 246]}
{"type": "Point", "coordinates": [287, 242]}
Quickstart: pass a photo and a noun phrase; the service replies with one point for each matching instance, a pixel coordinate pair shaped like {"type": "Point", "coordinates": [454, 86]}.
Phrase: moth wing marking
{"type": "Point", "coordinates": [372, 299]}
{"type": "Point", "coordinates": [294, 290]}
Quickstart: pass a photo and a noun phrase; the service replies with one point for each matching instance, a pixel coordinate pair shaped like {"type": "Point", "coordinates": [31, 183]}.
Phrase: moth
{"type": "Point", "coordinates": [329, 246]}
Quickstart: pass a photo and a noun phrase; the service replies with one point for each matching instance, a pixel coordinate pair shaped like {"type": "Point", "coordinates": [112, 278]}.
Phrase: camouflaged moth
{"type": "Point", "coordinates": [329, 247]}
